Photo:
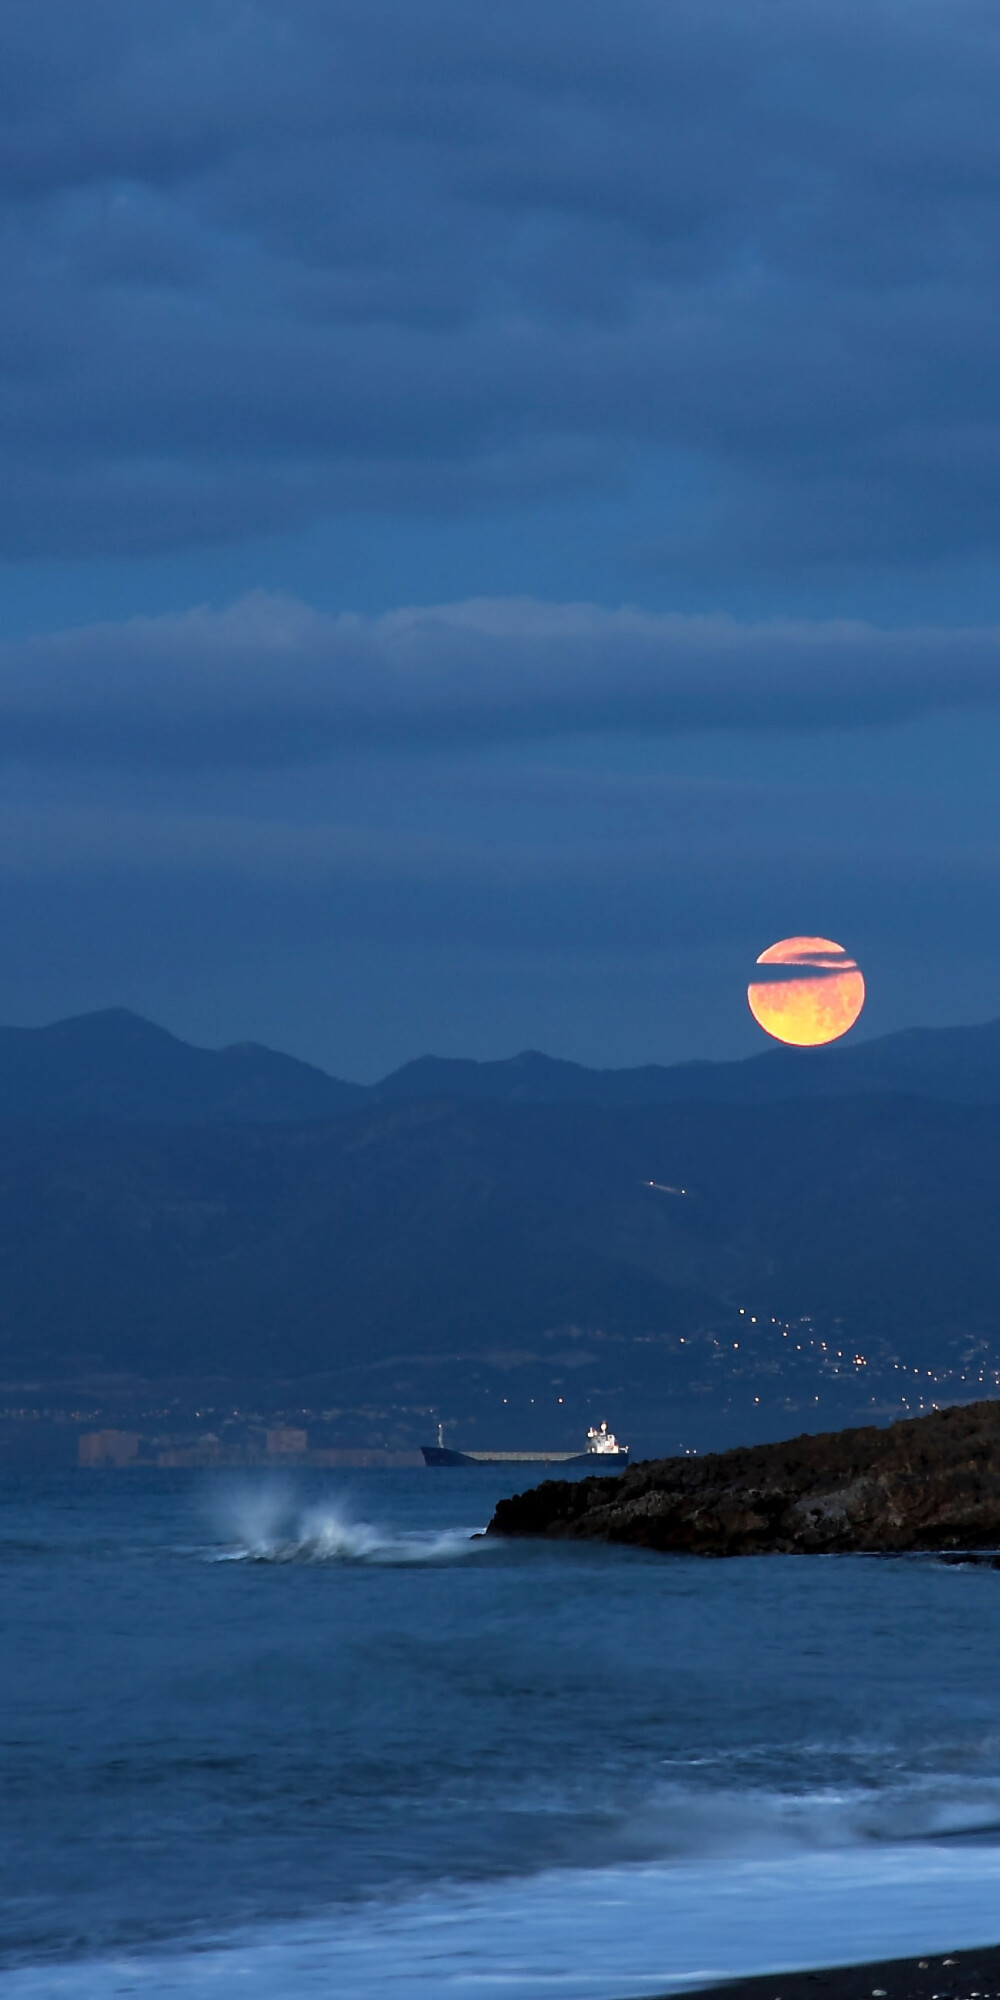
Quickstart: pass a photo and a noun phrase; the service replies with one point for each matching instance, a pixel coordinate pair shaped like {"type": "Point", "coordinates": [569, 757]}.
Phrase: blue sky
{"type": "Point", "coordinates": [497, 524]}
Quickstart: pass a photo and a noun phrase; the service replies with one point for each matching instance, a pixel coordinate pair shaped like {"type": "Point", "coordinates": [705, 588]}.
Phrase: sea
{"type": "Point", "coordinates": [315, 1736]}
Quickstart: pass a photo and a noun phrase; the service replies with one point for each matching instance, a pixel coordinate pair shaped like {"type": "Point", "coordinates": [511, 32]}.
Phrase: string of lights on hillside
{"type": "Point", "coordinates": [837, 1361]}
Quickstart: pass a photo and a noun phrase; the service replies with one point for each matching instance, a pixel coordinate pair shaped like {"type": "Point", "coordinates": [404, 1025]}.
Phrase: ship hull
{"type": "Point", "coordinates": [594, 1461]}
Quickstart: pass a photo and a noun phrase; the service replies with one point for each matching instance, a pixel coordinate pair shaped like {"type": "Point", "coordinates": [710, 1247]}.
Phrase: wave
{"type": "Point", "coordinates": [578, 1934]}
{"type": "Point", "coordinates": [269, 1527]}
{"type": "Point", "coordinates": [679, 1822]}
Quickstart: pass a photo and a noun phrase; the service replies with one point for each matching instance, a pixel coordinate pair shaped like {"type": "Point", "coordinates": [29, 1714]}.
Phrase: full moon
{"type": "Point", "coordinates": [814, 993]}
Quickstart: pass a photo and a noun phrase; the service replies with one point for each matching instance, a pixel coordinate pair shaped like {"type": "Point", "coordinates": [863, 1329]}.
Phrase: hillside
{"type": "Point", "coordinates": [420, 1257]}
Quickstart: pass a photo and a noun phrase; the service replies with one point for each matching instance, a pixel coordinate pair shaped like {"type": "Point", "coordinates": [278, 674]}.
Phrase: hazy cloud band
{"type": "Point", "coordinates": [271, 682]}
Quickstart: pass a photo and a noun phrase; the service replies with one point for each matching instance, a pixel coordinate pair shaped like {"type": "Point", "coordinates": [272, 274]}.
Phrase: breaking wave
{"type": "Point", "coordinates": [680, 1823]}
{"type": "Point", "coordinates": [270, 1527]}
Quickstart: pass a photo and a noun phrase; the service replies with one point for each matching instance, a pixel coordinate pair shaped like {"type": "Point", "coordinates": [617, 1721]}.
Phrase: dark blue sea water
{"type": "Point", "coordinates": [311, 1738]}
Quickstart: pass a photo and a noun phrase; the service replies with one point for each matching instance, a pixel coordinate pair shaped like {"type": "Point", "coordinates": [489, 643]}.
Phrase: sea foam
{"type": "Point", "coordinates": [578, 1934]}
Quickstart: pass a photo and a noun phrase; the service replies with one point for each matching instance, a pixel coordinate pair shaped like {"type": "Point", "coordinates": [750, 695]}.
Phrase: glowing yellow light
{"type": "Point", "coordinates": [818, 1000]}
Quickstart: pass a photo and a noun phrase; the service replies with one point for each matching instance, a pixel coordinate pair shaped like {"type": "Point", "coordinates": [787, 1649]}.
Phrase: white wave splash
{"type": "Point", "coordinates": [267, 1526]}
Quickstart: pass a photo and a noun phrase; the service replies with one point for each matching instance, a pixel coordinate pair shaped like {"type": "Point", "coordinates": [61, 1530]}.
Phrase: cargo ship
{"type": "Point", "coordinates": [603, 1454]}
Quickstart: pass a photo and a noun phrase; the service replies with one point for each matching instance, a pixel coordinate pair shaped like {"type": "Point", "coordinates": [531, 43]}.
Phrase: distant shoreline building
{"type": "Point", "coordinates": [285, 1444]}
{"type": "Point", "coordinates": [286, 1441]}
{"type": "Point", "coordinates": [115, 1448]}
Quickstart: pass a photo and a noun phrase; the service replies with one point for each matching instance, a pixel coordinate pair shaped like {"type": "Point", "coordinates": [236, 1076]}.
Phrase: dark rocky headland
{"type": "Point", "coordinates": [930, 1482]}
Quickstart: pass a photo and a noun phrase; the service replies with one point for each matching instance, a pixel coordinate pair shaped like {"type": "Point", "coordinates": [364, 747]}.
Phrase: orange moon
{"type": "Point", "coordinates": [817, 999]}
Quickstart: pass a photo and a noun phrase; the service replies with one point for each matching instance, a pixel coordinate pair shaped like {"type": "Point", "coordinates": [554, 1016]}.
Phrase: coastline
{"type": "Point", "coordinates": [959, 1975]}
{"type": "Point", "coordinates": [923, 1485]}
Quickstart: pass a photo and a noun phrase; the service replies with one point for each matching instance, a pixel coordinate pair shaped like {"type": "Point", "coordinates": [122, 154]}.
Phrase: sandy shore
{"type": "Point", "coordinates": [960, 1975]}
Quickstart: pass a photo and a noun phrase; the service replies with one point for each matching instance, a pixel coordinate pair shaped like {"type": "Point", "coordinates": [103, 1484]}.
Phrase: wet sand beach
{"type": "Point", "coordinates": [960, 1975]}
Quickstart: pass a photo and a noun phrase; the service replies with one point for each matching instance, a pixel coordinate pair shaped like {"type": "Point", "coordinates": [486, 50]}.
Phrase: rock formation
{"type": "Point", "coordinates": [930, 1482]}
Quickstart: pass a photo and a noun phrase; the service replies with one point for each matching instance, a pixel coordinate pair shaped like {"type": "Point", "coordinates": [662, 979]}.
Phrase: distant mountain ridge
{"type": "Point", "coordinates": [116, 1067]}
{"type": "Point", "coordinates": [957, 1065]}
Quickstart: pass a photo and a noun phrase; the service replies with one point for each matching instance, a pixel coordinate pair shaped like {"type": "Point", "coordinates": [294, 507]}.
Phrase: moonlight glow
{"type": "Point", "coordinates": [814, 993]}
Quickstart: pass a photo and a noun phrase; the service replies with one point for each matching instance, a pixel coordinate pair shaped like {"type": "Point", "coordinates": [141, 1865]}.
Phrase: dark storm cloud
{"type": "Point", "coordinates": [272, 682]}
{"type": "Point", "coordinates": [265, 260]}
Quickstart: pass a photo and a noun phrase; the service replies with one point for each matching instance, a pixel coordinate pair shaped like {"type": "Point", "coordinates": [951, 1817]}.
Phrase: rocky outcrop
{"type": "Point", "coordinates": [930, 1482]}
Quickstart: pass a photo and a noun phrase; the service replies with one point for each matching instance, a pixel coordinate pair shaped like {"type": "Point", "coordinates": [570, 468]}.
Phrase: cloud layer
{"type": "Point", "coordinates": [273, 682]}
{"type": "Point", "coordinates": [265, 259]}
{"type": "Point", "coordinates": [694, 300]}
